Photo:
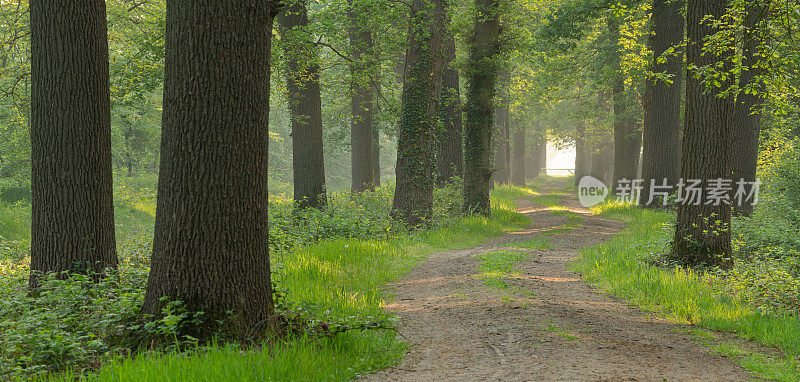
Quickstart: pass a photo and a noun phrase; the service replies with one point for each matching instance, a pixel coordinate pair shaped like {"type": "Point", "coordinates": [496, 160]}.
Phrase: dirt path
{"type": "Point", "coordinates": [548, 326]}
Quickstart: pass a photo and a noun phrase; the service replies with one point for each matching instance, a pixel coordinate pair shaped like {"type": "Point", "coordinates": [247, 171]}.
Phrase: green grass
{"type": "Point", "coordinates": [539, 242]}
{"type": "Point", "coordinates": [681, 295]}
{"type": "Point", "coordinates": [497, 266]}
{"type": "Point", "coordinates": [338, 279]}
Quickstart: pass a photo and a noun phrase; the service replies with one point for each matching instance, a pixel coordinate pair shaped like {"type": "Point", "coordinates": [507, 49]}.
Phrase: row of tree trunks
{"type": "Point", "coordinates": [538, 146]}
{"type": "Point", "coordinates": [305, 106]}
{"type": "Point", "coordinates": [702, 232]}
{"type": "Point", "coordinates": [361, 109]}
{"type": "Point", "coordinates": [479, 110]}
{"type": "Point", "coordinates": [413, 199]}
{"type": "Point", "coordinates": [72, 217]}
{"type": "Point", "coordinates": [662, 100]}
{"type": "Point", "coordinates": [518, 162]}
{"type": "Point", "coordinates": [210, 244]}
{"type": "Point", "coordinates": [450, 155]}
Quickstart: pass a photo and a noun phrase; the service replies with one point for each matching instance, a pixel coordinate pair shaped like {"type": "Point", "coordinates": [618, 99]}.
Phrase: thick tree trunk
{"type": "Point", "coordinates": [210, 245]}
{"type": "Point", "coordinates": [662, 101]}
{"type": "Point", "coordinates": [362, 119]}
{"type": "Point", "coordinates": [72, 217]}
{"type": "Point", "coordinates": [518, 161]}
{"type": "Point", "coordinates": [305, 106]}
{"type": "Point", "coordinates": [450, 154]}
{"type": "Point", "coordinates": [479, 116]}
{"type": "Point", "coordinates": [747, 115]}
{"type": "Point", "coordinates": [702, 234]}
{"type": "Point", "coordinates": [413, 199]}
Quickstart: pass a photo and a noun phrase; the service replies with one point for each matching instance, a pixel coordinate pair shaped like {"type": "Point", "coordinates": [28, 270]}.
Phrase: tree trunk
{"type": "Point", "coordinates": [72, 212]}
{"type": "Point", "coordinates": [479, 116]}
{"type": "Point", "coordinates": [518, 161]}
{"type": "Point", "coordinates": [534, 167]}
{"type": "Point", "coordinates": [376, 129]}
{"type": "Point", "coordinates": [662, 101]}
{"type": "Point", "coordinates": [362, 120]}
{"type": "Point", "coordinates": [503, 155]}
{"type": "Point", "coordinates": [702, 234]}
{"type": "Point", "coordinates": [413, 199]}
{"type": "Point", "coordinates": [450, 155]}
{"type": "Point", "coordinates": [747, 115]}
{"type": "Point", "coordinates": [627, 145]}
{"type": "Point", "coordinates": [210, 244]}
{"type": "Point", "coordinates": [305, 106]}
{"type": "Point", "coordinates": [581, 155]}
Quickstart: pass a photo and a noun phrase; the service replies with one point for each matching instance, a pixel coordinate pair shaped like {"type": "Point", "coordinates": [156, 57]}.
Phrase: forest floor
{"type": "Point", "coordinates": [511, 309]}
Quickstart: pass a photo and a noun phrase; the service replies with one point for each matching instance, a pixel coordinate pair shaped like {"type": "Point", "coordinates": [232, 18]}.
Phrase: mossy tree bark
{"type": "Point", "coordinates": [305, 106]}
{"type": "Point", "coordinates": [702, 232]}
{"type": "Point", "coordinates": [422, 86]}
{"type": "Point", "coordinates": [450, 153]}
{"type": "Point", "coordinates": [481, 75]}
{"type": "Point", "coordinates": [662, 99]}
{"type": "Point", "coordinates": [72, 212]}
{"type": "Point", "coordinates": [210, 245]}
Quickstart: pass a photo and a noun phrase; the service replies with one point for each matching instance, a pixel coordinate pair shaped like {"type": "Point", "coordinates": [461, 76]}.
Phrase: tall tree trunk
{"type": "Point", "coordinates": [627, 145]}
{"type": "Point", "coordinates": [662, 100]}
{"type": "Point", "coordinates": [362, 119]}
{"type": "Point", "coordinates": [534, 166]}
{"type": "Point", "coordinates": [72, 212]}
{"type": "Point", "coordinates": [503, 155]}
{"type": "Point", "coordinates": [747, 115]}
{"type": "Point", "coordinates": [376, 129]}
{"type": "Point", "coordinates": [479, 116]}
{"type": "Point", "coordinates": [581, 155]}
{"type": "Point", "coordinates": [450, 154]}
{"type": "Point", "coordinates": [305, 106]}
{"type": "Point", "coordinates": [702, 234]}
{"type": "Point", "coordinates": [413, 198]}
{"type": "Point", "coordinates": [210, 245]}
{"type": "Point", "coordinates": [518, 161]}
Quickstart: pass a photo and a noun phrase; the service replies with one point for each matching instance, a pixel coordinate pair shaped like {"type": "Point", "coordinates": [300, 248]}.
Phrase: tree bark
{"type": "Point", "coordinates": [415, 174]}
{"type": "Point", "coordinates": [72, 212]}
{"type": "Point", "coordinates": [450, 154]}
{"type": "Point", "coordinates": [305, 106]}
{"type": "Point", "coordinates": [210, 244]}
{"type": "Point", "coordinates": [362, 119]}
{"type": "Point", "coordinates": [479, 116]}
{"type": "Point", "coordinates": [702, 234]}
{"type": "Point", "coordinates": [662, 100]}
{"type": "Point", "coordinates": [747, 114]}
{"type": "Point", "coordinates": [518, 161]}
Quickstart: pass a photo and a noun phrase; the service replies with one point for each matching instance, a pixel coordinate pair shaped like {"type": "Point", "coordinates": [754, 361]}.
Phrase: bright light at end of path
{"type": "Point", "coordinates": [560, 158]}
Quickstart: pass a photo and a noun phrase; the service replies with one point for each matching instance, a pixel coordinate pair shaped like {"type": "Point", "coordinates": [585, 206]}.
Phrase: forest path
{"type": "Point", "coordinates": [543, 323]}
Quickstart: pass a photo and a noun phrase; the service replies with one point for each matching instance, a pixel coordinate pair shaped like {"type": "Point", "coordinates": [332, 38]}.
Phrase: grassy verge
{"type": "Point", "coordinates": [340, 279]}
{"type": "Point", "coordinates": [618, 267]}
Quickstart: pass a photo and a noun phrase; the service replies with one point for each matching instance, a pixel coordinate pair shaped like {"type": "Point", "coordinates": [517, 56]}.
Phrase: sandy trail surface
{"type": "Point", "coordinates": [549, 325]}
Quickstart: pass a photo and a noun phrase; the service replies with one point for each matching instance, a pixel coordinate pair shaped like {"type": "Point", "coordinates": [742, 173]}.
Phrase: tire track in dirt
{"type": "Point", "coordinates": [558, 330]}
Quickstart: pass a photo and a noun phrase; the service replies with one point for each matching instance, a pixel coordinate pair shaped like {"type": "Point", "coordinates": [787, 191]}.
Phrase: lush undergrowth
{"type": "Point", "coordinates": [624, 267]}
{"type": "Point", "coordinates": [327, 264]}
